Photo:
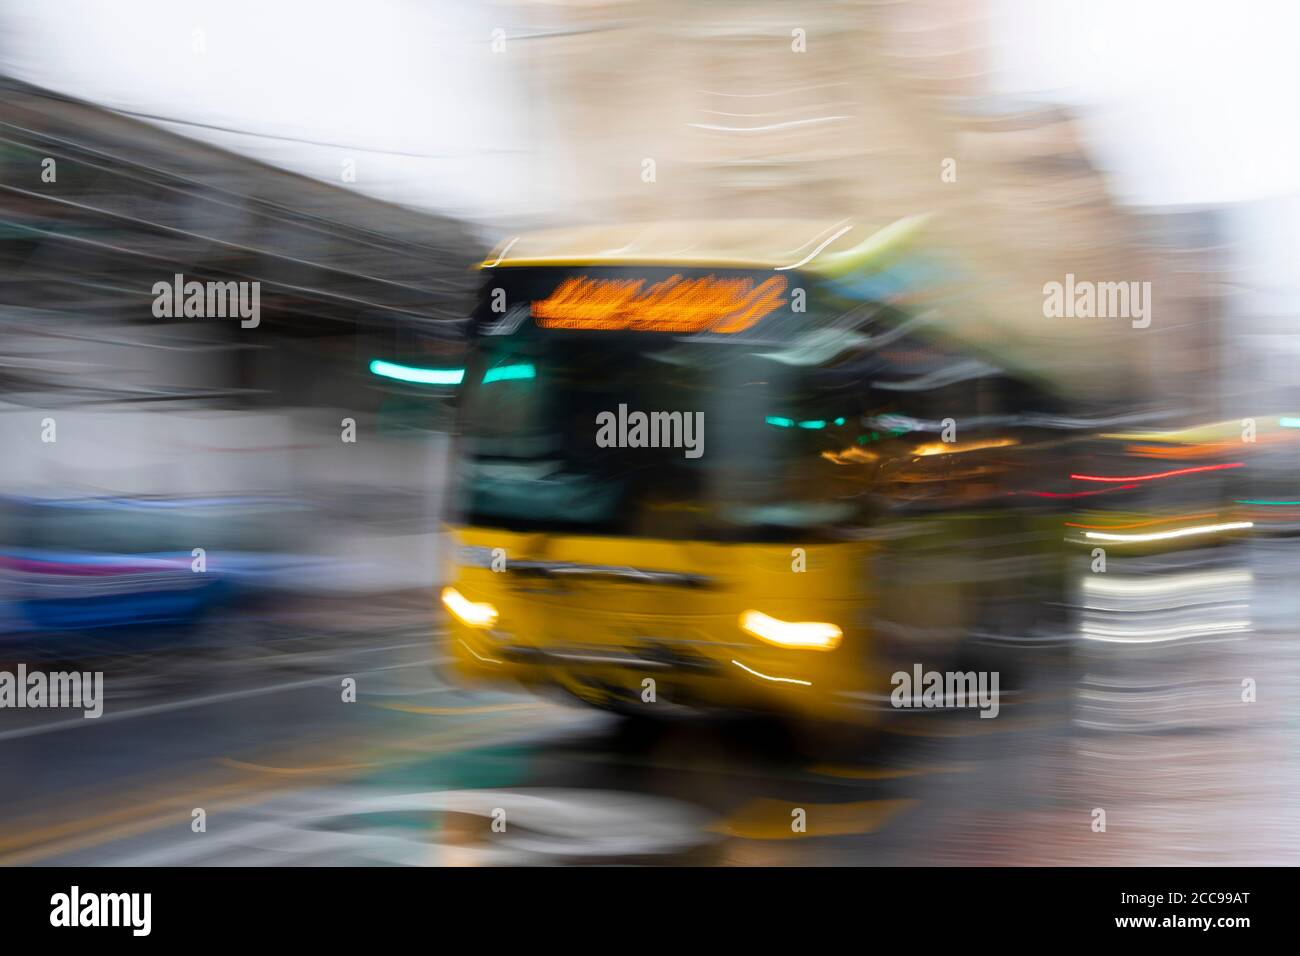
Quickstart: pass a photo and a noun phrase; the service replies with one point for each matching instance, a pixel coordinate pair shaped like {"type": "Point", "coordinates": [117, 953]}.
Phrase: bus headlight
{"type": "Point", "coordinates": [805, 635]}
{"type": "Point", "coordinates": [472, 613]}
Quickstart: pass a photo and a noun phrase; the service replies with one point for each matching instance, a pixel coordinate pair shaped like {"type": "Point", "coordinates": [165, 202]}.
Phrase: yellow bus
{"type": "Point", "coordinates": [703, 465]}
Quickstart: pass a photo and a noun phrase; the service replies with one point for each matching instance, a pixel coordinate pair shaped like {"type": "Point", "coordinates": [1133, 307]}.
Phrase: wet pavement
{"type": "Point", "coordinates": [420, 771]}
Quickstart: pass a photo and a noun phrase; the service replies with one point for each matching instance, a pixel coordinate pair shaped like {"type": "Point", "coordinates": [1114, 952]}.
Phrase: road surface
{"type": "Point", "coordinates": [419, 771]}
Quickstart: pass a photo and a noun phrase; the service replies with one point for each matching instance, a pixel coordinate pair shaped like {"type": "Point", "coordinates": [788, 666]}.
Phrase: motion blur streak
{"type": "Point", "coordinates": [769, 677]}
{"type": "Point", "coordinates": [426, 376]}
{"type": "Point", "coordinates": [812, 635]}
{"type": "Point", "coordinates": [1163, 474]}
{"type": "Point", "coordinates": [1153, 636]}
{"type": "Point", "coordinates": [478, 656]}
{"type": "Point", "coordinates": [1137, 524]}
{"type": "Point", "coordinates": [1169, 584]}
{"type": "Point", "coordinates": [1166, 535]}
{"type": "Point", "coordinates": [368, 583]}
{"type": "Point", "coordinates": [940, 448]}
{"type": "Point", "coordinates": [473, 613]}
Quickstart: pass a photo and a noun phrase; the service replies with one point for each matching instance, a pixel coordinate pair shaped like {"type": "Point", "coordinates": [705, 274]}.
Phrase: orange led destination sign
{"type": "Point", "coordinates": [704, 304]}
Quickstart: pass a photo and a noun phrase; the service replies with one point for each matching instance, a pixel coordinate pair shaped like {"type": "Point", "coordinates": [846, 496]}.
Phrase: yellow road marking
{"type": "Point", "coordinates": [33, 842]}
{"type": "Point", "coordinates": [766, 819]}
{"type": "Point", "coordinates": [89, 832]}
{"type": "Point", "coordinates": [319, 768]}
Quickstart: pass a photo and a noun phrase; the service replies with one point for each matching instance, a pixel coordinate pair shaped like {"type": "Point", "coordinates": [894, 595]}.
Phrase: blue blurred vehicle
{"type": "Point", "coordinates": [71, 565]}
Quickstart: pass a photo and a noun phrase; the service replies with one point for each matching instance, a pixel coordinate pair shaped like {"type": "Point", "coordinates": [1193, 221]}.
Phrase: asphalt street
{"type": "Point", "coordinates": [419, 771]}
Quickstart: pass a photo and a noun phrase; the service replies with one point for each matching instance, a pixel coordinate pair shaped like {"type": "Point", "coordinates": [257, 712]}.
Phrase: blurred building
{"type": "Point", "coordinates": [862, 112]}
{"type": "Point", "coordinates": [868, 112]}
{"type": "Point", "coordinates": [96, 208]}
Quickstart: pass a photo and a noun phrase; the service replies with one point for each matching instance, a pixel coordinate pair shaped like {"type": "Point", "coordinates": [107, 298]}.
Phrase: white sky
{"type": "Point", "coordinates": [1187, 100]}
{"type": "Point", "coordinates": [405, 76]}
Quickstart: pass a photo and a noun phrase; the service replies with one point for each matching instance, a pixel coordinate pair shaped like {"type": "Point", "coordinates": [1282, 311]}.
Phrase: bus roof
{"type": "Point", "coordinates": [780, 244]}
{"type": "Point", "coordinates": [992, 303]}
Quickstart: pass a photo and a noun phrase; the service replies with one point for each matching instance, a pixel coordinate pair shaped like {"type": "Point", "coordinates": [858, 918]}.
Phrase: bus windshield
{"type": "Point", "coordinates": [761, 441]}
